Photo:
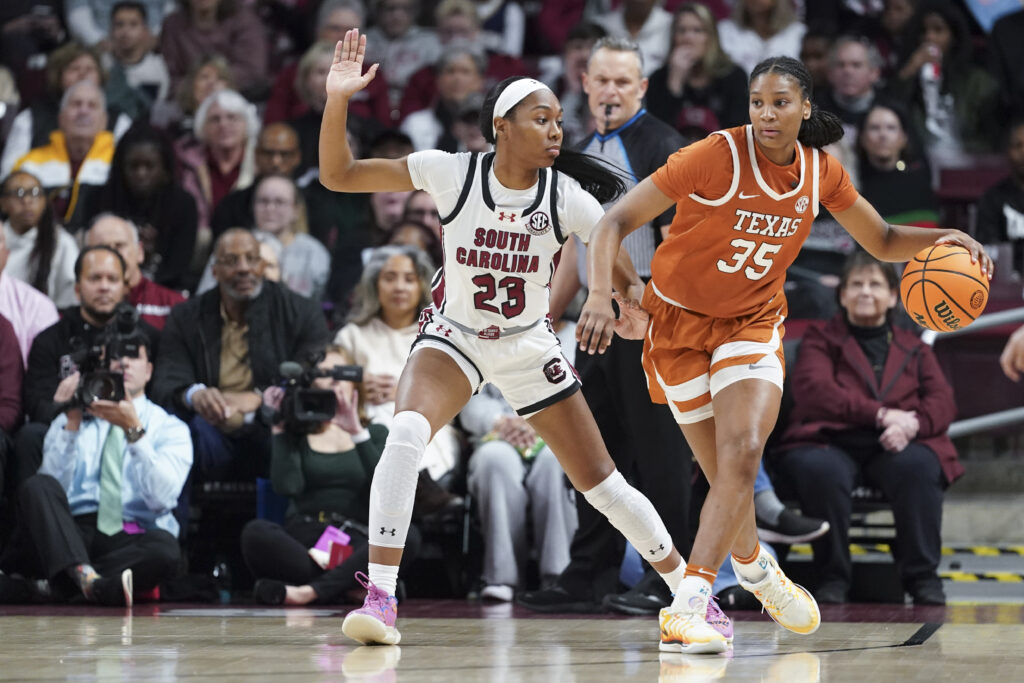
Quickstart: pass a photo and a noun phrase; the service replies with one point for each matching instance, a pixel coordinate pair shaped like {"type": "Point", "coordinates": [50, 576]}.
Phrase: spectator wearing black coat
{"type": "Point", "coordinates": [220, 349]}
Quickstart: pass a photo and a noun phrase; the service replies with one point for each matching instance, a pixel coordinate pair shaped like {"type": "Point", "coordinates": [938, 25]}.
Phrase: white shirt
{"type": "Point", "coordinates": [746, 48]}
{"type": "Point", "coordinates": [654, 38]}
{"type": "Point", "coordinates": [383, 350]}
{"type": "Point", "coordinates": [60, 285]}
{"type": "Point", "coordinates": [155, 466]}
{"type": "Point", "coordinates": [498, 260]}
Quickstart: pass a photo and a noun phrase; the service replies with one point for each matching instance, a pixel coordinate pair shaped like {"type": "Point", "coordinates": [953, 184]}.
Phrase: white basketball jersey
{"type": "Point", "coordinates": [500, 245]}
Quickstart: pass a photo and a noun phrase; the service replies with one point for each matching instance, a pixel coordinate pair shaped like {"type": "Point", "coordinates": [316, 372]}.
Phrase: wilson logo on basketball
{"type": "Point", "coordinates": [977, 299]}
{"type": "Point", "coordinates": [946, 315]}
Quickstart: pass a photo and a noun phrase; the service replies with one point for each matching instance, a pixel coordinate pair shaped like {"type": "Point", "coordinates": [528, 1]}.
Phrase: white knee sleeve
{"type": "Point", "coordinates": [394, 480]}
{"type": "Point", "coordinates": [632, 514]}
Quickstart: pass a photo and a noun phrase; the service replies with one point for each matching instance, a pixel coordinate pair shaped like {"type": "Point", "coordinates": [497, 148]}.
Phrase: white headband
{"type": "Point", "coordinates": [512, 95]}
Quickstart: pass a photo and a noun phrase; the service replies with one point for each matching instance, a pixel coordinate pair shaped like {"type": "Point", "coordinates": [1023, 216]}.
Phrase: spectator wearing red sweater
{"type": "Point", "coordinates": [871, 406]}
{"type": "Point", "coordinates": [152, 301]}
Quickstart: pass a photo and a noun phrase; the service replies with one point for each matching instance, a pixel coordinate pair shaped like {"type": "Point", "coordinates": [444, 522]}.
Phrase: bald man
{"type": "Point", "coordinates": [153, 301]}
{"type": "Point", "coordinates": [277, 153]}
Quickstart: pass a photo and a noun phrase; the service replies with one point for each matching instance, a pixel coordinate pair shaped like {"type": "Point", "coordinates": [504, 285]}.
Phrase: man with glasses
{"type": "Point", "coordinates": [219, 351]}
{"type": "Point", "coordinates": [277, 153]}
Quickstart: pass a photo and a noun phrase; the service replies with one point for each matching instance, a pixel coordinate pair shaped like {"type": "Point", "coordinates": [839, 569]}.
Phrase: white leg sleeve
{"type": "Point", "coordinates": [394, 480]}
{"type": "Point", "coordinates": [632, 514]}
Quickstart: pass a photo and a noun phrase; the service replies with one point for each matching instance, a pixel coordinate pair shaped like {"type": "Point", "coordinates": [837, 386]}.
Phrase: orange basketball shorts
{"type": "Point", "coordinates": [688, 357]}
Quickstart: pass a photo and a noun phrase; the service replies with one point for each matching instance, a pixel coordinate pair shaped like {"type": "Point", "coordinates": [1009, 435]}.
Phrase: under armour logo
{"type": "Point", "coordinates": [654, 551]}
{"type": "Point", "coordinates": [446, 331]}
{"type": "Point", "coordinates": [384, 531]}
{"type": "Point", "coordinates": [511, 216]}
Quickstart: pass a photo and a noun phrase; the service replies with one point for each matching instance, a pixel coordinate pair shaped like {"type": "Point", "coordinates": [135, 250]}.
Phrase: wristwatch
{"type": "Point", "coordinates": [133, 434]}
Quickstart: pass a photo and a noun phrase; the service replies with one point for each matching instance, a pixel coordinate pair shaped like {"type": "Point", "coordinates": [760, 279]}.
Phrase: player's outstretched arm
{"type": "Point", "coordinates": [339, 171]}
{"type": "Point", "coordinates": [898, 243]}
{"type": "Point", "coordinates": [641, 205]}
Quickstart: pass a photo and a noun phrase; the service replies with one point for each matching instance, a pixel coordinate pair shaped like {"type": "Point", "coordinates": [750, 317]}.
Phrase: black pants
{"type": "Point", "coordinates": [912, 481]}
{"type": "Point", "coordinates": [280, 552]}
{"type": "Point", "coordinates": [27, 454]}
{"type": "Point", "coordinates": [49, 541]}
{"type": "Point", "coordinates": [648, 448]}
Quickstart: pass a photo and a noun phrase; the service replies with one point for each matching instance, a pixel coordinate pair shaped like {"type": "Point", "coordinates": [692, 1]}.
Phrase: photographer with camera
{"type": "Point", "coordinates": [97, 517]}
{"type": "Point", "coordinates": [220, 348]}
{"type": "Point", "coordinates": [57, 351]}
{"type": "Point", "coordinates": [323, 457]}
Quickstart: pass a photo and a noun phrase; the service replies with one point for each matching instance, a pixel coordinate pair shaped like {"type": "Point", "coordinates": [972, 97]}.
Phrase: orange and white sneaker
{"type": "Point", "coordinates": [686, 630]}
{"type": "Point", "coordinates": [791, 606]}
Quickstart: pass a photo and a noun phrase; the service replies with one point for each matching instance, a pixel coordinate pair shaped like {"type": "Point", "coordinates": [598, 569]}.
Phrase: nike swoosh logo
{"type": "Point", "coordinates": [748, 196]}
{"type": "Point", "coordinates": [758, 367]}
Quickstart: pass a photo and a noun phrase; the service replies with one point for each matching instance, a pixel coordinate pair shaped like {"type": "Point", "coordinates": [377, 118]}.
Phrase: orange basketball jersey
{"type": "Point", "coordinates": [740, 220]}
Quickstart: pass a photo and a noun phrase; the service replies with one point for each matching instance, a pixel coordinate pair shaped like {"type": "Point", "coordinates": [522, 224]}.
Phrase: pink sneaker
{"type": "Point", "coordinates": [718, 620]}
{"type": "Point", "coordinates": [374, 622]}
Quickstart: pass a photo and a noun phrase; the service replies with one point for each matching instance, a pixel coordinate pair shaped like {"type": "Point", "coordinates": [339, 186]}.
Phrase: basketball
{"type": "Point", "coordinates": [942, 290]}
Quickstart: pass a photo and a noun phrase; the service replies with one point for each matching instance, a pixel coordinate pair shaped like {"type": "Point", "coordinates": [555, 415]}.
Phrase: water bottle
{"type": "Point", "coordinates": [222, 577]}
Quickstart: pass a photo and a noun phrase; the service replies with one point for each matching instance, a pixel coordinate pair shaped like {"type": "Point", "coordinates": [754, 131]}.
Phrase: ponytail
{"type": "Point", "coordinates": [593, 175]}
{"type": "Point", "coordinates": [822, 128]}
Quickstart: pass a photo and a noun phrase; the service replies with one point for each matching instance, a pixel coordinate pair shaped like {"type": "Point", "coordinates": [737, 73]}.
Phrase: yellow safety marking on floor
{"type": "Point", "coordinates": [998, 577]}
{"type": "Point", "coordinates": [864, 549]}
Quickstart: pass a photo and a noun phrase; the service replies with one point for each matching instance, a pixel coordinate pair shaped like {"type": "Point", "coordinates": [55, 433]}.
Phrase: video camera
{"type": "Point", "coordinates": [120, 339]}
{"type": "Point", "coordinates": [304, 408]}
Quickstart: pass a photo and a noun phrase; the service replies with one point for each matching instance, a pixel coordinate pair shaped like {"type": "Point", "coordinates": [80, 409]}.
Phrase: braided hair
{"type": "Point", "coordinates": [823, 128]}
{"type": "Point", "coordinates": [592, 175]}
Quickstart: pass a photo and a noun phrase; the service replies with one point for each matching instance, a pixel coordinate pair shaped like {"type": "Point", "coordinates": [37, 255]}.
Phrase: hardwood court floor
{"type": "Point", "coordinates": [458, 641]}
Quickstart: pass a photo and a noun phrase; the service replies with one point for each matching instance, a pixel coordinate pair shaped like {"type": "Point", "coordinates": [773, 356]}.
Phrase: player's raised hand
{"type": "Point", "coordinates": [632, 322]}
{"type": "Point", "coordinates": [346, 76]}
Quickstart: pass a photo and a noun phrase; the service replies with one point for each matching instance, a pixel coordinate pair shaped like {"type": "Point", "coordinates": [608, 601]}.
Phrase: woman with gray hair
{"type": "Point", "coordinates": [220, 158]}
{"type": "Point", "coordinates": [394, 288]}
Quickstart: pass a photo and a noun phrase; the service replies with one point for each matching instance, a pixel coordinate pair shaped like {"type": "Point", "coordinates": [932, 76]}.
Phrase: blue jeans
{"type": "Point", "coordinates": [242, 455]}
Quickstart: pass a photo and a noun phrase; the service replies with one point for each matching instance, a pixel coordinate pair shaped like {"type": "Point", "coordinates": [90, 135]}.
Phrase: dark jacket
{"type": "Point", "coordinates": [11, 372]}
{"type": "Point", "coordinates": [834, 389]}
{"type": "Point", "coordinates": [50, 360]}
{"type": "Point", "coordinates": [283, 326]}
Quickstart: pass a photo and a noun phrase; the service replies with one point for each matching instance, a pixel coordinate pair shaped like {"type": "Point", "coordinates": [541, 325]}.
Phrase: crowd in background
{"type": "Point", "coordinates": [173, 145]}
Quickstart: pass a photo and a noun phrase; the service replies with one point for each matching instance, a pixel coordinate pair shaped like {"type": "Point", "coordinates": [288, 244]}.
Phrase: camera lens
{"type": "Point", "coordinates": [103, 386]}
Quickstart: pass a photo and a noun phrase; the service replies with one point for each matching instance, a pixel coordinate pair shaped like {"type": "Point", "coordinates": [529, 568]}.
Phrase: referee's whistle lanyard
{"type": "Point", "coordinates": [608, 135]}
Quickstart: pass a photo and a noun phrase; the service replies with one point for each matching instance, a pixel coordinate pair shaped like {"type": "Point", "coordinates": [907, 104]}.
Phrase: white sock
{"type": "Point", "coordinates": [673, 577]}
{"type": "Point", "coordinates": [384, 576]}
{"type": "Point", "coordinates": [693, 593]}
{"type": "Point", "coordinates": [752, 572]}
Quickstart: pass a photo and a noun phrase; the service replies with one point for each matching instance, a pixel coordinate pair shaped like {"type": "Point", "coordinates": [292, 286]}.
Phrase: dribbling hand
{"type": "Point", "coordinates": [972, 245]}
{"type": "Point", "coordinates": [346, 76]}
